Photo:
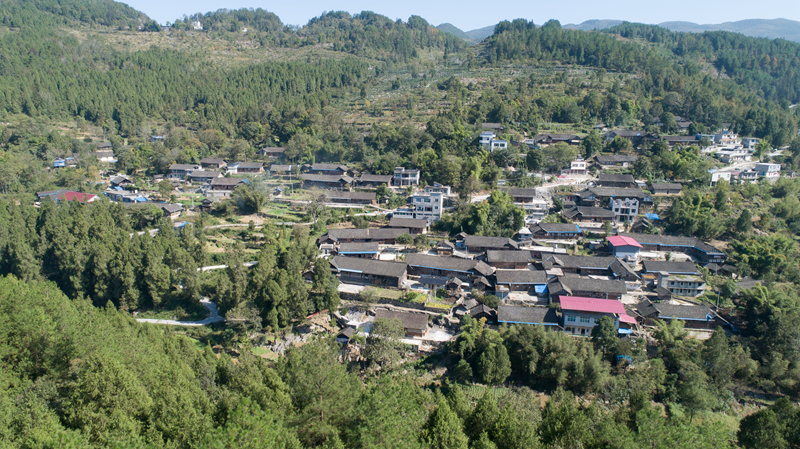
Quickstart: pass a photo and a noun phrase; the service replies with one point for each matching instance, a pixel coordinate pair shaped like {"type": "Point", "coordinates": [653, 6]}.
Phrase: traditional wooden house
{"type": "Point", "coordinates": [585, 287]}
{"type": "Point", "coordinates": [353, 270]}
{"type": "Point", "coordinates": [553, 231]}
{"type": "Point", "coordinates": [419, 264]}
{"type": "Point", "coordinates": [346, 197]}
{"type": "Point", "coordinates": [514, 260]}
{"type": "Point", "coordinates": [415, 226]}
{"type": "Point", "coordinates": [614, 180]}
{"type": "Point", "coordinates": [414, 324]}
{"type": "Point", "coordinates": [542, 316]}
{"type": "Point", "coordinates": [369, 250]}
{"type": "Point", "coordinates": [327, 181]}
{"type": "Point", "coordinates": [384, 236]}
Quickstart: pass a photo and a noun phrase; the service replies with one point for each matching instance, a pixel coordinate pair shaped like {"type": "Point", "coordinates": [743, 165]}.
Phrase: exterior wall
{"type": "Point", "coordinates": [581, 323]}
{"type": "Point", "coordinates": [624, 209]}
{"type": "Point", "coordinates": [418, 271]}
{"type": "Point", "coordinates": [361, 255]}
{"type": "Point", "coordinates": [361, 278]}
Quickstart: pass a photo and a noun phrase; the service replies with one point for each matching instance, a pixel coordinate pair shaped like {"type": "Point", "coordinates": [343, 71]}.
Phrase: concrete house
{"type": "Point", "coordinates": [580, 315]}
{"type": "Point", "coordinates": [405, 177]}
{"type": "Point", "coordinates": [625, 248]}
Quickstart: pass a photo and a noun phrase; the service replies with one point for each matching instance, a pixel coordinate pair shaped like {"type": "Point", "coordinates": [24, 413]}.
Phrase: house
{"type": "Point", "coordinates": [479, 244]}
{"type": "Point", "coordinates": [576, 167]}
{"type": "Point", "coordinates": [580, 315]}
{"type": "Point", "coordinates": [592, 214]}
{"type": "Point", "coordinates": [673, 141]}
{"type": "Point", "coordinates": [768, 170]}
{"type": "Point", "coordinates": [494, 126]}
{"type": "Point", "coordinates": [369, 250]}
{"type": "Point", "coordinates": [413, 225]}
{"type": "Point", "coordinates": [514, 260]}
{"type": "Point", "coordinates": [529, 201]}
{"type": "Point", "coordinates": [636, 137]}
{"type": "Point", "coordinates": [281, 169]}
{"type": "Point", "coordinates": [423, 206]}
{"type": "Point", "coordinates": [486, 138]}
{"type": "Point", "coordinates": [670, 267]}
{"type": "Point", "coordinates": [693, 316]}
{"type": "Point", "coordinates": [345, 335]}
{"type": "Point", "coordinates": [445, 248]}
{"type": "Point", "coordinates": [545, 140]}
{"type": "Point", "coordinates": [543, 316]}
{"type": "Point", "coordinates": [437, 188]}
{"type": "Point", "coordinates": [248, 168]}
{"type": "Point", "coordinates": [222, 187]}
{"type": "Point", "coordinates": [179, 171]}
{"type": "Point", "coordinates": [497, 145]}
{"type": "Point", "coordinates": [70, 196]}
{"type": "Point", "coordinates": [384, 236]}
{"type": "Point", "coordinates": [347, 197]}
{"type": "Point", "coordinates": [624, 202]}
{"type": "Point", "coordinates": [735, 154]}
{"type": "Point", "coordinates": [105, 146]}
{"type": "Point", "coordinates": [722, 270]}
{"type": "Point", "coordinates": [271, 152]}
{"type": "Point", "coordinates": [482, 311]}
{"type": "Point", "coordinates": [121, 181]}
{"type": "Point", "coordinates": [553, 231]}
{"type": "Point", "coordinates": [354, 270]}
{"type": "Point", "coordinates": [212, 163]}
{"type": "Point", "coordinates": [681, 284]}
{"type": "Point", "coordinates": [614, 180]}
{"type": "Point", "coordinates": [614, 161]}
{"type": "Point", "coordinates": [586, 287]}
{"type": "Point", "coordinates": [405, 177]}
{"type": "Point", "coordinates": [717, 176]}
{"type": "Point", "coordinates": [419, 264]}
{"type": "Point", "coordinates": [750, 142]}
{"type": "Point", "coordinates": [203, 176]}
{"type": "Point", "coordinates": [520, 281]}
{"type": "Point", "coordinates": [173, 211]}
{"type": "Point", "coordinates": [373, 181]}
{"type": "Point", "coordinates": [207, 204]}
{"type": "Point", "coordinates": [197, 25]}
{"type": "Point", "coordinates": [691, 246]}
{"type": "Point", "coordinates": [666, 188]}
{"type": "Point", "coordinates": [105, 155]}
{"type": "Point", "coordinates": [326, 182]}
{"type": "Point", "coordinates": [414, 324]}
{"type": "Point", "coordinates": [580, 265]}
{"type": "Point", "coordinates": [329, 169]}
{"type": "Point", "coordinates": [625, 248]}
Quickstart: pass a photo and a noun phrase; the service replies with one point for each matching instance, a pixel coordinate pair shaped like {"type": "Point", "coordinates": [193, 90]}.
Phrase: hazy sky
{"type": "Point", "coordinates": [472, 14]}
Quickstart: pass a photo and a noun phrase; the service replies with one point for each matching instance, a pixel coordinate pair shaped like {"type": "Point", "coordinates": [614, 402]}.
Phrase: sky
{"type": "Point", "coordinates": [472, 14]}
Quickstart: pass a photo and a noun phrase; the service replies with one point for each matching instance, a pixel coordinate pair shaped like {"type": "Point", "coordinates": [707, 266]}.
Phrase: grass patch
{"type": "Point", "coordinates": [176, 310]}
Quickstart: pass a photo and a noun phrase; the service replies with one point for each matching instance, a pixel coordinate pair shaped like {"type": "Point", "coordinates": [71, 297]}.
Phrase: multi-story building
{"type": "Point", "coordinates": [580, 315]}
{"type": "Point", "coordinates": [576, 167]}
{"type": "Point", "coordinates": [768, 170]}
{"type": "Point", "coordinates": [625, 209]}
{"type": "Point", "coordinates": [682, 284]}
{"type": "Point", "coordinates": [438, 188]}
{"type": "Point", "coordinates": [405, 177]}
{"type": "Point", "coordinates": [424, 206]}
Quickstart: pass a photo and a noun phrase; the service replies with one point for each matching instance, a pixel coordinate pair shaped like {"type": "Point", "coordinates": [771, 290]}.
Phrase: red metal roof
{"type": "Point", "coordinates": [592, 305]}
{"type": "Point", "coordinates": [81, 197]}
{"type": "Point", "coordinates": [625, 318]}
{"type": "Point", "coordinates": [620, 240]}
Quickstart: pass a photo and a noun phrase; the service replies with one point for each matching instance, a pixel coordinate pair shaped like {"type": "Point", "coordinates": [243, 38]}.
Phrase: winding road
{"type": "Point", "coordinates": [213, 317]}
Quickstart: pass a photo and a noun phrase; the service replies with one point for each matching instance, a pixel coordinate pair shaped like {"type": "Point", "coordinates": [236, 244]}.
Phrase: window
{"type": "Point", "coordinates": [584, 319]}
{"type": "Point", "coordinates": [570, 318]}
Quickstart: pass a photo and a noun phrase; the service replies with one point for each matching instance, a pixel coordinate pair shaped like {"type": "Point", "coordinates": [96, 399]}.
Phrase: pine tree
{"type": "Point", "coordinates": [443, 429]}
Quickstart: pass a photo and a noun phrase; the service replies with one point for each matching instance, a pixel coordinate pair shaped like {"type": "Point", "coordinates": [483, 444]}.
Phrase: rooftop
{"type": "Point", "coordinates": [580, 304]}
{"type": "Point", "coordinates": [672, 267]}
{"type": "Point", "coordinates": [493, 256]}
{"type": "Point", "coordinates": [369, 266]}
{"type": "Point", "coordinates": [411, 223]}
{"type": "Point", "coordinates": [520, 277]}
{"type": "Point", "coordinates": [527, 315]}
{"type": "Point", "coordinates": [408, 319]}
{"type": "Point", "coordinates": [621, 240]}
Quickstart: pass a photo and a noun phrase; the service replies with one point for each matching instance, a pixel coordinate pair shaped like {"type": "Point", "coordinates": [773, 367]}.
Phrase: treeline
{"type": "Point", "coordinates": [93, 252]}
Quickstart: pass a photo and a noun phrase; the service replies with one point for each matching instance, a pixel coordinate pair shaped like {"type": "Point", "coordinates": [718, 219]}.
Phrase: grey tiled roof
{"type": "Point", "coordinates": [481, 241]}
{"type": "Point", "coordinates": [610, 177]}
{"type": "Point", "coordinates": [528, 315]}
{"type": "Point", "coordinates": [397, 222]}
{"type": "Point", "coordinates": [364, 196]}
{"type": "Point", "coordinates": [410, 320]}
{"type": "Point", "coordinates": [369, 266]}
{"type": "Point", "coordinates": [581, 284]}
{"type": "Point", "coordinates": [654, 266]}
{"type": "Point", "coordinates": [359, 247]}
{"type": "Point", "coordinates": [493, 256]}
{"type": "Point", "coordinates": [589, 262]}
{"type": "Point", "coordinates": [366, 234]}
{"type": "Point", "coordinates": [447, 263]}
{"type": "Point", "coordinates": [520, 277]}
{"type": "Point", "coordinates": [672, 240]}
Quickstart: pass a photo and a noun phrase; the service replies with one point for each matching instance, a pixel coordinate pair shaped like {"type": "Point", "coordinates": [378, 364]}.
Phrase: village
{"type": "Point", "coordinates": [597, 254]}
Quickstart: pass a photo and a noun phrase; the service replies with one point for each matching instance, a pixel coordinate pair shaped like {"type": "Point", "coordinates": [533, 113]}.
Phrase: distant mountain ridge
{"type": "Point", "coordinates": [472, 37]}
{"type": "Point", "coordinates": [769, 28]}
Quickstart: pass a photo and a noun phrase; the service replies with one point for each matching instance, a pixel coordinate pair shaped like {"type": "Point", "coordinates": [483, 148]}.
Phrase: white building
{"type": "Point", "coordinates": [730, 155]}
{"type": "Point", "coordinates": [197, 25]}
{"type": "Point", "coordinates": [535, 210]}
{"type": "Point", "coordinates": [576, 167]}
{"type": "Point", "coordinates": [486, 138]}
{"type": "Point", "coordinates": [404, 177]}
{"type": "Point", "coordinates": [625, 209]}
{"type": "Point", "coordinates": [424, 206]}
{"type": "Point", "coordinates": [438, 188]}
{"type": "Point", "coordinates": [717, 176]}
{"type": "Point", "coordinates": [750, 142]}
{"type": "Point", "coordinates": [682, 284]}
{"type": "Point", "coordinates": [768, 170]}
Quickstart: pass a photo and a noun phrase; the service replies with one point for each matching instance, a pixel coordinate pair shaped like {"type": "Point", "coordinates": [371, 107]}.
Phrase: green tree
{"type": "Point", "coordinates": [443, 429]}
{"type": "Point", "coordinates": [592, 144]}
{"type": "Point", "coordinates": [604, 336]}
{"type": "Point", "coordinates": [383, 344]}
{"type": "Point", "coordinates": [745, 221]}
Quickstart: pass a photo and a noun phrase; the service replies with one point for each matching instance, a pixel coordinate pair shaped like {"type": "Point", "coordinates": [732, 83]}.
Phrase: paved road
{"type": "Point", "coordinates": [213, 317]}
